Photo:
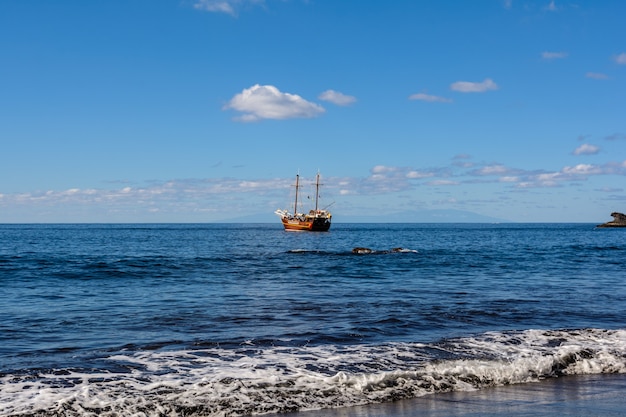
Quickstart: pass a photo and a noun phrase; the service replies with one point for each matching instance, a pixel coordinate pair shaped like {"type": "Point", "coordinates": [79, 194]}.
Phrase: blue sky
{"type": "Point", "coordinates": [204, 110]}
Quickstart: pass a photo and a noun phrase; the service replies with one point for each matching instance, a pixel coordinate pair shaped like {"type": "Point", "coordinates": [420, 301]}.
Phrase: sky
{"type": "Point", "coordinates": [205, 110]}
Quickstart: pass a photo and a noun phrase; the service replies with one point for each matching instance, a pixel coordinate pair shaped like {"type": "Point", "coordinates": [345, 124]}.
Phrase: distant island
{"type": "Point", "coordinates": [619, 220]}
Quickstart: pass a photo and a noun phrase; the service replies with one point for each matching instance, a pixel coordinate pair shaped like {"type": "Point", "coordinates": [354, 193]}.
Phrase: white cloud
{"type": "Point", "coordinates": [621, 58]}
{"type": "Point", "coordinates": [582, 169]}
{"type": "Point", "coordinates": [216, 6]}
{"type": "Point", "coordinates": [399, 172]}
{"type": "Point", "coordinates": [419, 174]}
{"type": "Point", "coordinates": [225, 6]}
{"type": "Point", "coordinates": [267, 102]}
{"type": "Point", "coordinates": [474, 87]}
{"type": "Point", "coordinates": [597, 76]}
{"type": "Point", "coordinates": [429, 98]}
{"type": "Point", "coordinates": [384, 179]}
{"type": "Point", "coordinates": [231, 195]}
{"type": "Point", "coordinates": [492, 170]}
{"type": "Point", "coordinates": [536, 179]}
{"type": "Point", "coordinates": [251, 185]}
{"type": "Point", "coordinates": [382, 169]}
{"type": "Point", "coordinates": [337, 98]}
{"type": "Point", "coordinates": [554, 55]}
{"type": "Point", "coordinates": [549, 179]}
{"type": "Point", "coordinates": [610, 190]}
{"type": "Point", "coordinates": [442, 182]}
{"type": "Point", "coordinates": [568, 175]}
{"type": "Point", "coordinates": [497, 170]}
{"type": "Point", "coordinates": [586, 149]}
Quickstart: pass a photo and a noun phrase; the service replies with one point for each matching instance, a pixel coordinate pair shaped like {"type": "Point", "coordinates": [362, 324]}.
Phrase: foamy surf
{"type": "Point", "coordinates": [269, 379]}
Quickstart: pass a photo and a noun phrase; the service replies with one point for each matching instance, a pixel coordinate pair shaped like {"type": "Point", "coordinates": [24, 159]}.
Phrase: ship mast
{"type": "Point", "coordinates": [295, 206]}
{"type": "Point", "coordinates": [317, 190]}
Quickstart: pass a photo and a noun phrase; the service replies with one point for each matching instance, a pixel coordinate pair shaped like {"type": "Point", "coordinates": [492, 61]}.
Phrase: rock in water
{"type": "Point", "coordinates": [619, 220]}
{"type": "Point", "coordinates": [362, 250]}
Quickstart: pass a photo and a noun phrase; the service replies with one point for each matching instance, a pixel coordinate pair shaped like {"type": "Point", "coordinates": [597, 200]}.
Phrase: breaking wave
{"type": "Point", "coordinates": [258, 379]}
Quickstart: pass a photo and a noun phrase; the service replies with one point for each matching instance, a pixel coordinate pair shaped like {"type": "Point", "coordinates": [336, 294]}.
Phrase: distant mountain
{"type": "Point", "coordinates": [416, 216]}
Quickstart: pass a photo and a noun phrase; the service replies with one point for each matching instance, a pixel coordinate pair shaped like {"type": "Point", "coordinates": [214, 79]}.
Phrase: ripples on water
{"type": "Point", "coordinates": [193, 314]}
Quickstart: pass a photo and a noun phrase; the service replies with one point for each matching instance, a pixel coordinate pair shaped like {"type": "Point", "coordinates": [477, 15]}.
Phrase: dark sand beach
{"type": "Point", "coordinates": [586, 395]}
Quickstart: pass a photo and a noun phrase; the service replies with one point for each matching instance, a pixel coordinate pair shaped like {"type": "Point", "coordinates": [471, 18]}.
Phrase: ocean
{"type": "Point", "coordinates": [240, 319]}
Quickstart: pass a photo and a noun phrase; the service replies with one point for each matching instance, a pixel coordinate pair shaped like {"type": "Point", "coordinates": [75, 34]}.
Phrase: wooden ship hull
{"type": "Point", "coordinates": [314, 221]}
{"type": "Point", "coordinates": [308, 223]}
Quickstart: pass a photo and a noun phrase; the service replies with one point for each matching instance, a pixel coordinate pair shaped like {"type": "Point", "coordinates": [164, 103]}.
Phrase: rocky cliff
{"type": "Point", "coordinates": [619, 220]}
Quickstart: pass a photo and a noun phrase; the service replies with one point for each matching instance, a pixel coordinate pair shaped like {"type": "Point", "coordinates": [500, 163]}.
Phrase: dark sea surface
{"type": "Point", "coordinates": [237, 319]}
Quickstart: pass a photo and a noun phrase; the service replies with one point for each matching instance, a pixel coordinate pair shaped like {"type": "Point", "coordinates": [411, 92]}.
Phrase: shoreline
{"type": "Point", "coordinates": [577, 395]}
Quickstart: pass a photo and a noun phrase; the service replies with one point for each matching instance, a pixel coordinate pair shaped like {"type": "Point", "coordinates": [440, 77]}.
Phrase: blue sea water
{"type": "Point", "coordinates": [238, 319]}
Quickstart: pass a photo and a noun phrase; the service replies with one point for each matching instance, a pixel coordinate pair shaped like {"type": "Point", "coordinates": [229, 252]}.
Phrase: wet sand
{"type": "Point", "coordinates": [588, 396]}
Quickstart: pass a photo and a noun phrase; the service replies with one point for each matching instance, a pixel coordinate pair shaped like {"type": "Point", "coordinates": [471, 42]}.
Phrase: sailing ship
{"type": "Point", "coordinates": [317, 220]}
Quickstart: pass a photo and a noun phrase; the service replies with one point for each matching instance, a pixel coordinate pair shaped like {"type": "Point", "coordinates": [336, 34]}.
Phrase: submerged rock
{"type": "Point", "coordinates": [619, 220]}
{"type": "Point", "coordinates": [360, 250]}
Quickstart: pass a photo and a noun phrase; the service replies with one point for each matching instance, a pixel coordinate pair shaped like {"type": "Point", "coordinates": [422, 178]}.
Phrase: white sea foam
{"type": "Point", "coordinates": [257, 380]}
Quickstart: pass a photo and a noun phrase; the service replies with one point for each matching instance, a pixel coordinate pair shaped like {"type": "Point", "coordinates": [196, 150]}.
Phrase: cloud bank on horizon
{"type": "Point", "coordinates": [401, 106]}
{"type": "Point", "coordinates": [197, 195]}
